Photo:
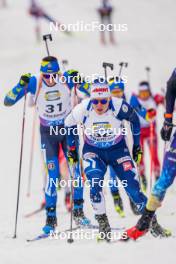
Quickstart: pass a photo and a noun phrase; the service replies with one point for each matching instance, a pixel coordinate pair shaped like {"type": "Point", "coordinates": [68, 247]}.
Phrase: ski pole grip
{"type": "Point", "coordinates": [47, 36]}
{"type": "Point", "coordinates": [147, 69]}
{"type": "Point", "coordinates": [122, 64]}
{"type": "Point", "coordinates": [105, 65]}
{"type": "Point", "coordinates": [65, 62]}
{"type": "Point", "coordinates": [110, 65]}
{"type": "Point", "coordinates": [125, 64]}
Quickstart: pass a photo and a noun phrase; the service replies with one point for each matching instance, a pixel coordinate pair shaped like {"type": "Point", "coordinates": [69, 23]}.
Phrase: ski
{"type": "Point", "coordinates": [123, 238]}
{"type": "Point", "coordinates": [39, 237]}
{"type": "Point", "coordinates": [43, 235]}
{"type": "Point", "coordinates": [111, 241]}
{"type": "Point", "coordinates": [41, 208]}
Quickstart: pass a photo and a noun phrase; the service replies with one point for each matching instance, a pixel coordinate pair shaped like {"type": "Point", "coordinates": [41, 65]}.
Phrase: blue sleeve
{"type": "Point", "coordinates": [84, 87]}
{"type": "Point", "coordinates": [128, 113]}
{"type": "Point", "coordinates": [72, 139]}
{"type": "Point", "coordinates": [134, 102]}
{"type": "Point", "coordinates": [19, 91]}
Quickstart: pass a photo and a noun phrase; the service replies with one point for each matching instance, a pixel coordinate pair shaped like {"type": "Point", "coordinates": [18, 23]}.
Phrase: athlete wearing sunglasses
{"type": "Point", "coordinates": [48, 76]}
{"type": "Point", "coordinates": [53, 103]}
{"type": "Point", "coordinates": [100, 105]}
{"type": "Point", "coordinates": [50, 79]}
{"type": "Point", "coordinates": [101, 116]}
{"type": "Point", "coordinates": [102, 101]}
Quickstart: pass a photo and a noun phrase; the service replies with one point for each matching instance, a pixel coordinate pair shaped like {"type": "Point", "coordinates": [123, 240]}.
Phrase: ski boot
{"type": "Point", "coordinates": [68, 201]}
{"type": "Point", "coordinates": [118, 204]}
{"type": "Point", "coordinates": [51, 220]}
{"type": "Point", "coordinates": [104, 228]}
{"type": "Point", "coordinates": [141, 227]}
{"type": "Point", "coordinates": [147, 222]}
{"type": "Point", "coordinates": [157, 230]}
{"type": "Point", "coordinates": [143, 183]}
{"type": "Point", "coordinates": [79, 217]}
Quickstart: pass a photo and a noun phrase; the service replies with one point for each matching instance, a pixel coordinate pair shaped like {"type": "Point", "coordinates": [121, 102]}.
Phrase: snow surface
{"type": "Point", "coordinates": [150, 41]}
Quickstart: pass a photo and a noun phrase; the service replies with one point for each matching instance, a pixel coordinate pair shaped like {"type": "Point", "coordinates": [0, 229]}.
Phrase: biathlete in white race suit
{"type": "Point", "coordinates": [53, 103]}
{"type": "Point", "coordinates": [101, 117]}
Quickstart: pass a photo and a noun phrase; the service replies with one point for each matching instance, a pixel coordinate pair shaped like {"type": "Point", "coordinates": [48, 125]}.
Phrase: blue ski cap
{"type": "Point", "coordinates": [49, 65]}
{"type": "Point", "coordinates": [116, 83]}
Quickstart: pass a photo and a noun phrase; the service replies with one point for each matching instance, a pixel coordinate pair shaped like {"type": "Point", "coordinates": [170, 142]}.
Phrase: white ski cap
{"type": "Point", "coordinates": [100, 90]}
{"type": "Point", "coordinates": [143, 86]}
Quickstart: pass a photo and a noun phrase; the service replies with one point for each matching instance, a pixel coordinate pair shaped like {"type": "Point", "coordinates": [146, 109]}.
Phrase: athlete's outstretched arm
{"type": "Point", "coordinates": [19, 91]}
{"type": "Point", "coordinates": [128, 113]}
{"type": "Point", "coordinates": [72, 78]}
{"type": "Point", "coordinates": [75, 117]}
{"type": "Point", "coordinates": [170, 97]}
{"type": "Point", "coordinates": [137, 106]}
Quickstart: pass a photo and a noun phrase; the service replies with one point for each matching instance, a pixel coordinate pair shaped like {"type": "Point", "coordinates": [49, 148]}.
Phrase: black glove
{"type": "Point", "coordinates": [166, 131]}
{"type": "Point", "coordinates": [25, 78]}
{"type": "Point", "coordinates": [72, 155]}
{"type": "Point", "coordinates": [137, 154]}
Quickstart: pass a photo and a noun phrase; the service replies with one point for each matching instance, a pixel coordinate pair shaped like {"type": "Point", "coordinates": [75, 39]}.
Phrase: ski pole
{"type": "Point", "coordinates": [64, 64]}
{"type": "Point", "coordinates": [151, 153]}
{"type": "Point", "coordinates": [20, 164]}
{"type": "Point", "coordinates": [148, 69]}
{"type": "Point", "coordinates": [31, 153]}
{"type": "Point", "coordinates": [45, 38]}
{"type": "Point", "coordinates": [148, 74]}
{"type": "Point", "coordinates": [122, 64]}
{"type": "Point", "coordinates": [105, 66]}
{"type": "Point", "coordinates": [72, 173]}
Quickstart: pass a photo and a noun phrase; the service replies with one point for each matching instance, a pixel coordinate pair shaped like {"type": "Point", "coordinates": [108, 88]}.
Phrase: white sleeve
{"type": "Point", "coordinates": [77, 114]}
{"type": "Point", "coordinates": [128, 96]}
{"type": "Point", "coordinates": [117, 103]}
